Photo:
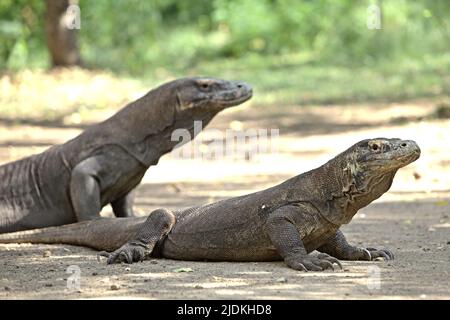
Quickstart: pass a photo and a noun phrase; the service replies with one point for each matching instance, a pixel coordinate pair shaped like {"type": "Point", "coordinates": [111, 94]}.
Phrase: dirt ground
{"type": "Point", "coordinates": [412, 219]}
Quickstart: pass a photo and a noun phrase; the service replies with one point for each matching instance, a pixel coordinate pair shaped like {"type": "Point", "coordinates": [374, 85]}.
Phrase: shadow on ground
{"type": "Point", "coordinates": [412, 219]}
{"type": "Point", "coordinates": [420, 268]}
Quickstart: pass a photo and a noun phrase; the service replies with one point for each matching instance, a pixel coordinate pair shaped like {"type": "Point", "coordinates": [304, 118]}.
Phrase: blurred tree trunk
{"type": "Point", "coordinates": [61, 33]}
{"type": "Point", "coordinates": [380, 6]}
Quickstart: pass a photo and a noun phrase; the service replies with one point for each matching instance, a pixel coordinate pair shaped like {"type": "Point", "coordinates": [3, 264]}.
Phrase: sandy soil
{"type": "Point", "coordinates": [412, 219]}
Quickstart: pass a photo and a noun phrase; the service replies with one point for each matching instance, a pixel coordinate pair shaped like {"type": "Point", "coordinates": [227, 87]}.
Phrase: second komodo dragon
{"type": "Point", "coordinates": [73, 181]}
{"type": "Point", "coordinates": [287, 221]}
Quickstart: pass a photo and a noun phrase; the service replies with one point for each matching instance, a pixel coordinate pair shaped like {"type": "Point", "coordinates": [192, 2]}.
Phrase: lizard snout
{"type": "Point", "coordinates": [410, 145]}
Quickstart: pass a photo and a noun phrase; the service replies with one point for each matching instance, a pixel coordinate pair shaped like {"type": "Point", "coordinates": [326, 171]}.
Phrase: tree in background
{"type": "Point", "coordinates": [61, 39]}
{"type": "Point", "coordinates": [134, 35]}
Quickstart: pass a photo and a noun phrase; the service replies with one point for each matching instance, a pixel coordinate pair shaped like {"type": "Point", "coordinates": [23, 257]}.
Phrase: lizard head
{"type": "Point", "coordinates": [383, 155]}
{"type": "Point", "coordinates": [209, 93]}
{"type": "Point", "coordinates": [375, 161]}
{"type": "Point", "coordinates": [363, 173]}
{"type": "Point", "coordinates": [370, 167]}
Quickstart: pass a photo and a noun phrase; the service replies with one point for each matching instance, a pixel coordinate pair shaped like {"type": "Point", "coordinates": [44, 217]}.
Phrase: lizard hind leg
{"type": "Point", "coordinates": [123, 207]}
{"type": "Point", "coordinates": [158, 224]}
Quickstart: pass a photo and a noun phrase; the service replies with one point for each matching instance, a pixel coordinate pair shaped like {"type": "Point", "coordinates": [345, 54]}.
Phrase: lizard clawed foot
{"type": "Point", "coordinates": [309, 263]}
{"type": "Point", "coordinates": [128, 253]}
{"type": "Point", "coordinates": [370, 254]}
{"type": "Point", "coordinates": [383, 253]}
{"type": "Point", "coordinates": [329, 258]}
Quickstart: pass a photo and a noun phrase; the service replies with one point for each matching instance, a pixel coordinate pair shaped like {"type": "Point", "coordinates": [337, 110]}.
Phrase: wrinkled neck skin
{"type": "Point", "coordinates": [145, 126]}
{"type": "Point", "coordinates": [348, 187]}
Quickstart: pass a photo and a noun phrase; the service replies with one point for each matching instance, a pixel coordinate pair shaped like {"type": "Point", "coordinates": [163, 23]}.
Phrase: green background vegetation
{"type": "Point", "coordinates": [292, 51]}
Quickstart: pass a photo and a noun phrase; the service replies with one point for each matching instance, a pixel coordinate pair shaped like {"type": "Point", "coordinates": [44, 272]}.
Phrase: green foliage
{"type": "Point", "coordinates": [139, 37]}
{"type": "Point", "coordinates": [293, 79]}
{"type": "Point", "coordinates": [22, 41]}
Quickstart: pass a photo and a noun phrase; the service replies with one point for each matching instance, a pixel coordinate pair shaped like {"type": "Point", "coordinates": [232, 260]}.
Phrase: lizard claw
{"type": "Point", "coordinates": [128, 253]}
{"type": "Point", "coordinates": [383, 253]}
{"type": "Point", "coordinates": [125, 256]}
{"type": "Point", "coordinates": [299, 266]}
{"type": "Point", "coordinates": [367, 255]}
{"type": "Point", "coordinates": [330, 259]}
{"type": "Point", "coordinates": [310, 263]}
{"type": "Point", "coordinates": [102, 254]}
{"type": "Point", "coordinates": [370, 254]}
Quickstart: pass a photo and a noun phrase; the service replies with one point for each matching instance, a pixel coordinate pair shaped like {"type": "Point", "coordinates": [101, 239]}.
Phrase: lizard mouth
{"type": "Point", "coordinates": [408, 158]}
{"type": "Point", "coordinates": [410, 155]}
{"type": "Point", "coordinates": [235, 101]}
{"type": "Point", "coordinates": [235, 97]}
{"type": "Point", "coordinates": [396, 161]}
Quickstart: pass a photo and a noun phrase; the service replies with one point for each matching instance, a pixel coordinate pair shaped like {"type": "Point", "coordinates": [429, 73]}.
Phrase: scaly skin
{"type": "Point", "coordinates": [287, 221]}
{"type": "Point", "coordinates": [73, 181]}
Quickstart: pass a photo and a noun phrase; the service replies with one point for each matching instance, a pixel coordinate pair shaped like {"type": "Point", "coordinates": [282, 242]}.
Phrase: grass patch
{"type": "Point", "coordinates": [73, 96]}
{"type": "Point", "coordinates": [299, 80]}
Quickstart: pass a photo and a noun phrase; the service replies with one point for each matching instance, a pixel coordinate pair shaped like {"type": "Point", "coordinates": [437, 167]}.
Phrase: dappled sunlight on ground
{"type": "Point", "coordinates": [413, 219]}
{"type": "Point", "coordinates": [61, 96]}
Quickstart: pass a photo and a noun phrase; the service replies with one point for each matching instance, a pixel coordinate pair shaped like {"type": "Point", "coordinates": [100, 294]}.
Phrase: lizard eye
{"type": "Point", "coordinates": [204, 85]}
{"type": "Point", "coordinates": [375, 147]}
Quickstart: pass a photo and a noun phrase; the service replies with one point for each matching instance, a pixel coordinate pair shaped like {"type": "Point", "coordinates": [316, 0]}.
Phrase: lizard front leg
{"type": "Point", "coordinates": [337, 246]}
{"type": "Point", "coordinates": [158, 224]}
{"type": "Point", "coordinates": [85, 190]}
{"type": "Point", "coordinates": [282, 230]}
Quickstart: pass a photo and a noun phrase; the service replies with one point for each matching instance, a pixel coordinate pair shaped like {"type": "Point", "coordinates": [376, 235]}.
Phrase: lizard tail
{"type": "Point", "coordinates": [68, 234]}
{"type": "Point", "coordinates": [101, 234]}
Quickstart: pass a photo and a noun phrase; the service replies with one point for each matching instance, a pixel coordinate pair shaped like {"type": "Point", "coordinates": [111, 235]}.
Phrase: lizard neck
{"type": "Point", "coordinates": [369, 189]}
{"type": "Point", "coordinates": [166, 140]}
{"type": "Point", "coordinates": [149, 115]}
{"type": "Point", "coordinates": [145, 127]}
{"type": "Point", "coordinates": [344, 190]}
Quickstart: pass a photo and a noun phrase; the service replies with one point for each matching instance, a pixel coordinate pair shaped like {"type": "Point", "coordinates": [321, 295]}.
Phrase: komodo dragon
{"type": "Point", "coordinates": [73, 181]}
{"type": "Point", "coordinates": [286, 221]}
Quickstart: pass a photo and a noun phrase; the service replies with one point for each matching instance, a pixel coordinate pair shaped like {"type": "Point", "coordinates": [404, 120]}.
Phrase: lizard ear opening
{"type": "Point", "coordinates": [376, 145]}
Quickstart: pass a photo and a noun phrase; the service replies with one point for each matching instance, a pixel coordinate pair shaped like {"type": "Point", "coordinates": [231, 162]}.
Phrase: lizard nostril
{"type": "Point", "coordinates": [239, 86]}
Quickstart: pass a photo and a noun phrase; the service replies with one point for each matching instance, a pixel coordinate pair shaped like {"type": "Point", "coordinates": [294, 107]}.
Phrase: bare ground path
{"type": "Point", "coordinates": [413, 219]}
